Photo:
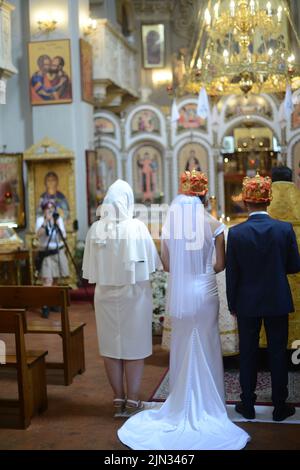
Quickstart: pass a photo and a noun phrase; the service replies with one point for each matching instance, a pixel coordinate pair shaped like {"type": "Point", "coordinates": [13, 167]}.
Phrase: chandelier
{"type": "Point", "coordinates": [242, 47]}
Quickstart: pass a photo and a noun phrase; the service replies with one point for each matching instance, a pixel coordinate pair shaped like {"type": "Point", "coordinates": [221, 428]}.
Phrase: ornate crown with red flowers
{"type": "Point", "coordinates": [194, 183]}
{"type": "Point", "coordinates": [257, 189]}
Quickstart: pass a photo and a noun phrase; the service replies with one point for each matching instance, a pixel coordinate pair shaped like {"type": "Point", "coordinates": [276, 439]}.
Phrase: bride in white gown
{"type": "Point", "coordinates": [194, 416]}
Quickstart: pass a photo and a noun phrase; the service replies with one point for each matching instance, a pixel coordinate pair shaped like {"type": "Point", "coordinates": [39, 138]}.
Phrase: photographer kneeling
{"type": "Point", "coordinates": [51, 261]}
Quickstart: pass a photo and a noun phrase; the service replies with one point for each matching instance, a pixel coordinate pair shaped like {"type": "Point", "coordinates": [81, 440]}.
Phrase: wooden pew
{"type": "Point", "coordinates": [31, 372]}
{"type": "Point", "coordinates": [71, 333]}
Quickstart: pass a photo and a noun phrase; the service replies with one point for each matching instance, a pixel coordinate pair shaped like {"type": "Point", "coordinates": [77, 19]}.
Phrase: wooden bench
{"type": "Point", "coordinates": [71, 333]}
{"type": "Point", "coordinates": [31, 373]}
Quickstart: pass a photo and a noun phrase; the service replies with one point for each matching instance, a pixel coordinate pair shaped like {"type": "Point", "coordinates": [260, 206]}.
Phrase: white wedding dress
{"type": "Point", "coordinates": [194, 416]}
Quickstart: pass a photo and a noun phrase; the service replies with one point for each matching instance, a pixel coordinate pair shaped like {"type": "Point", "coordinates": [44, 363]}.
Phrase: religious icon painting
{"type": "Point", "coordinates": [192, 157]}
{"type": "Point", "coordinates": [148, 174]}
{"type": "Point", "coordinates": [145, 121]}
{"type": "Point", "coordinates": [253, 104]}
{"type": "Point", "coordinates": [50, 72]}
{"type": "Point", "coordinates": [188, 118]}
{"type": "Point", "coordinates": [153, 45]}
{"type": "Point", "coordinates": [50, 181]}
{"type": "Point", "coordinates": [51, 177]}
{"type": "Point", "coordinates": [103, 126]}
{"type": "Point", "coordinates": [12, 203]}
{"type": "Point", "coordinates": [101, 172]}
{"type": "Point", "coordinates": [86, 68]}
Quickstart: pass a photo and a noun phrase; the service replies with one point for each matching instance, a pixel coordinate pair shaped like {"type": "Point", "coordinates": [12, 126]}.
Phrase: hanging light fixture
{"type": "Point", "coordinates": [242, 47]}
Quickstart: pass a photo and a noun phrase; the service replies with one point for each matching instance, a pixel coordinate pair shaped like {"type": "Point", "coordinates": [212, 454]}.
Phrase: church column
{"type": "Point", "coordinates": [170, 168]}
{"type": "Point", "coordinates": [168, 180]}
{"type": "Point", "coordinates": [124, 168]}
{"type": "Point", "coordinates": [70, 125]}
{"type": "Point", "coordinates": [284, 156]}
{"type": "Point", "coordinates": [219, 166]}
{"type": "Point", "coordinates": [221, 190]}
{"type": "Point", "coordinates": [124, 152]}
{"type": "Point", "coordinates": [168, 190]}
{"type": "Point", "coordinates": [284, 147]}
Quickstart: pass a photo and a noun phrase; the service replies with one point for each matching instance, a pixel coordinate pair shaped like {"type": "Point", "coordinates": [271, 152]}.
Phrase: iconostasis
{"type": "Point", "coordinates": [239, 136]}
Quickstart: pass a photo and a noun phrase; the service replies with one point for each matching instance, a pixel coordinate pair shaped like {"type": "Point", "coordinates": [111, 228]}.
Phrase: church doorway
{"type": "Point", "coordinates": [246, 149]}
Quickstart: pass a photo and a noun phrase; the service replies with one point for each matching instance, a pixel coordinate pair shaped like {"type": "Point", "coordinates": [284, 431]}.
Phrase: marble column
{"type": "Point", "coordinates": [221, 189]}
{"type": "Point", "coordinates": [7, 67]}
{"type": "Point", "coordinates": [219, 166]}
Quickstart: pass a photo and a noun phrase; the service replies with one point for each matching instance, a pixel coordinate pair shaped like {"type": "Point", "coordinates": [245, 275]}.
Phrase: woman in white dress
{"type": "Point", "coordinates": [119, 257]}
{"type": "Point", "coordinates": [194, 415]}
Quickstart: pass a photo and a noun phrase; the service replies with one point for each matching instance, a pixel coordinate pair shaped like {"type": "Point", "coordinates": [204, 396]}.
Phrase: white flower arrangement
{"type": "Point", "coordinates": [159, 289]}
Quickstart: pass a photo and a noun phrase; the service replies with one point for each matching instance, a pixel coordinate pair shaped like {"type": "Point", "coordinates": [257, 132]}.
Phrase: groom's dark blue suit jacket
{"type": "Point", "coordinates": [260, 253]}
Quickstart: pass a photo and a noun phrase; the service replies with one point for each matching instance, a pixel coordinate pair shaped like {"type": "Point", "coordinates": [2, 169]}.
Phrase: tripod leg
{"type": "Point", "coordinates": [68, 252]}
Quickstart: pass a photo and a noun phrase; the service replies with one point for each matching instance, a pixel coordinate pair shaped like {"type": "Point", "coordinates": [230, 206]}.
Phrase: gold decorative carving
{"type": "Point", "coordinates": [48, 155]}
{"type": "Point", "coordinates": [286, 202]}
{"type": "Point", "coordinates": [9, 239]}
{"type": "Point", "coordinates": [47, 149]}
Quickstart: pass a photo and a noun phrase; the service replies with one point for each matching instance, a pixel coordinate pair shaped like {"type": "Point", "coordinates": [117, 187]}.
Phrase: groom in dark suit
{"type": "Point", "coordinates": [260, 253]}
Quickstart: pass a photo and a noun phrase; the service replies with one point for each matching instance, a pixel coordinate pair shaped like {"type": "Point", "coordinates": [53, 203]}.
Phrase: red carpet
{"type": "Point", "coordinates": [83, 294]}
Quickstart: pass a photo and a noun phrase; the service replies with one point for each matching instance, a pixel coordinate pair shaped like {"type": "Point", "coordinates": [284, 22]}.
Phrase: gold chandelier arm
{"type": "Point", "coordinates": [200, 36]}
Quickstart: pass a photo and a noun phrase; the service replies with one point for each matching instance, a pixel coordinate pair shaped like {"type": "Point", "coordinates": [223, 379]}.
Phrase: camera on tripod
{"type": "Point", "coordinates": [55, 216]}
{"type": "Point", "coordinates": [54, 234]}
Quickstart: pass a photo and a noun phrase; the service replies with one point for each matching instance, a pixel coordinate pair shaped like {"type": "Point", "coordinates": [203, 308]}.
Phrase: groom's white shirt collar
{"type": "Point", "coordinates": [258, 212]}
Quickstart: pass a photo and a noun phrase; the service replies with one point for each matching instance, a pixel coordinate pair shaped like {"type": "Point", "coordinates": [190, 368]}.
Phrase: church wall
{"type": "Point", "coordinates": [105, 9]}
{"type": "Point", "coordinates": [158, 92]}
{"type": "Point", "coordinates": [111, 11]}
{"type": "Point", "coordinates": [150, 78]}
{"type": "Point", "coordinates": [83, 129]}
{"type": "Point", "coordinates": [180, 20]}
{"type": "Point", "coordinates": [21, 125]}
{"type": "Point", "coordinates": [70, 125]}
{"type": "Point", "coordinates": [46, 7]}
{"type": "Point", "coordinates": [15, 115]}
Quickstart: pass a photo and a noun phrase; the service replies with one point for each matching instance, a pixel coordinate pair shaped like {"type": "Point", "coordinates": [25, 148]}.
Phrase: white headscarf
{"type": "Point", "coordinates": [120, 197]}
{"type": "Point", "coordinates": [119, 249]}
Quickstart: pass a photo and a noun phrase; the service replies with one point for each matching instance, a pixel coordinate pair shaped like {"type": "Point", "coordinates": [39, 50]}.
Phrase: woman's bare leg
{"type": "Point", "coordinates": [115, 373]}
{"type": "Point", "coordinates": [47, 281]}
{"type": "Point", "coordinates": [133, 374]}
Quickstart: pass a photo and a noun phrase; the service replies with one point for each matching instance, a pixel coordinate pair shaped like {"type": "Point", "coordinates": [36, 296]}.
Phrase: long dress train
{"type": "Point", "coordinates": [194, 415]}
